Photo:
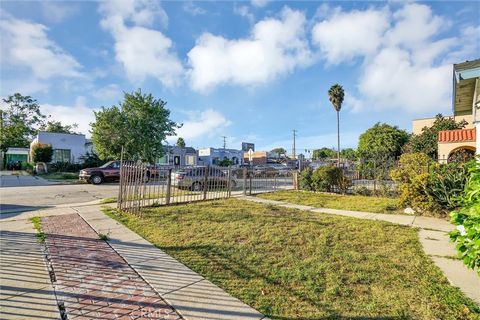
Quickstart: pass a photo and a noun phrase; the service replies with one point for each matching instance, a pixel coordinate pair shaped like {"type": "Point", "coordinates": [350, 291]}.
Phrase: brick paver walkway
{"type": "Point", "coordinates": [92, 280]}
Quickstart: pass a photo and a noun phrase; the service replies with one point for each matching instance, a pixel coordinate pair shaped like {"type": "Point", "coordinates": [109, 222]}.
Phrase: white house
{"type": "Point", "coordinates": [66, 147]}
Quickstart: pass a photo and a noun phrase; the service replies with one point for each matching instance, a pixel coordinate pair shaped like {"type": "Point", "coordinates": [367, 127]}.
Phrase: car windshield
{"type": "Point", "coordinates": [106, 165]}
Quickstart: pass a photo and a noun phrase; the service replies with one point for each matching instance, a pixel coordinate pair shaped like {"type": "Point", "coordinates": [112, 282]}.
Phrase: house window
{"type": "Point", "coordinates": [190, 160]}
{"type": "Point", "coordinates": [61, 155]}
{"type": "Point", "coordinates": [163, 160]}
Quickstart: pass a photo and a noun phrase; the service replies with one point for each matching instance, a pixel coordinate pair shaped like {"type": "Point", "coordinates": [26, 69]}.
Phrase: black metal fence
{"type": "Point", "coordinates": [146, 186]}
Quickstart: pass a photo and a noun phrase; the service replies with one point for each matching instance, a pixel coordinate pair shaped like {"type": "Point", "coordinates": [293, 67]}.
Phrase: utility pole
{"type": "Point", "coordinates": [293, 149]}
{"type": "Point", "coordinates": [224, 142]}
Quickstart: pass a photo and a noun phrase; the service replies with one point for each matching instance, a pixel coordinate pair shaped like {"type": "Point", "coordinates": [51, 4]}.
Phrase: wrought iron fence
{"type": "Point", "coordinates": [146, 186]}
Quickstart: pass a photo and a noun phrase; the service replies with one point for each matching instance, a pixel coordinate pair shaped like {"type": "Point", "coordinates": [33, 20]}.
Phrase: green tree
{"type": "Point", "coordinates": [323, 153]}
{"type": "Point", "coordinates": [349, 154]}
{"type": "Point", "coordinates": [225, 163]}
{"type": "Point", "coordinates": [41, 152]}
{"type": "Point", "coordinates": [382, 141]}
{"type": "Point", "coordinates": [427, 141]}
{"type": "Point", "coordinates": [140, 124]}
{"type": "Point", "coordinates": [336, 96]}
{"type": "Point", "coordinates": [58, 127]}
{"type": "Point", "coordinates": [180, 142]}
{"type": "Point", "coordinates": [20, 119]}
{"type": "Point", "coordinates": [279, 151]}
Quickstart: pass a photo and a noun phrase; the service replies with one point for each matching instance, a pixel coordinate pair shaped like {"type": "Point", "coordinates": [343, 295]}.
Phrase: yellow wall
{"type": "Point", "coordinates": [419, 124]}
{"type": "Point", "coordinates": [445, 148]}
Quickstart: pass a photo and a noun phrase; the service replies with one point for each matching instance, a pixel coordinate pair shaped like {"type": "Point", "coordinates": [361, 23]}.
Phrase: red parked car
{"type": "Point", "coordinates": [109, 172]}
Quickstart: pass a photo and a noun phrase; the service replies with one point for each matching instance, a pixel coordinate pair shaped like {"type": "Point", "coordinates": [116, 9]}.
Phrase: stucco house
{"type": "Point", "coordinates": [213, 156]}
{"type": "Point", "coordinates": [66, 147]}
{"type": "Point", "coordinates": [465, 106]}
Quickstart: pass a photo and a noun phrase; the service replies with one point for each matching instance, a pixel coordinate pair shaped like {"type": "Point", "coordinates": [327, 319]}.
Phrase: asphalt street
{"type": "Point", "coordinates": [44, 196]}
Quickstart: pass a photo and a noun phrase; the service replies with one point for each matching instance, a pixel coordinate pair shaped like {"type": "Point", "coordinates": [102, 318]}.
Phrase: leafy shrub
{"type": "Point", "coordinates": [412, 176]}
{"type": "Point", "coordinates": [467, 219]}
{"type": "Point", "coordinates": [362, 191]}
{"type": "Point", "coordinates": [64, 167]}
{"type": "Point", "coordinates": [386, 190]}
{"type": "Point", "coordinates": [329, 179]}
{"type": "Point", "coordinates": [91, 160]}
{"type": "Point", "coordinates": [29, 168]}
{"type": "Point", "coordinates": [41, 152]}
{"type": "Point", "coordinates": [306, 179]}
{"type": "Point", "coordinates": [447, 182]}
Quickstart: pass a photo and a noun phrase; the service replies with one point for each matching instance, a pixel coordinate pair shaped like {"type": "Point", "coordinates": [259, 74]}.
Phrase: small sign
{"type": "Point", "coordinates": [250, 155]}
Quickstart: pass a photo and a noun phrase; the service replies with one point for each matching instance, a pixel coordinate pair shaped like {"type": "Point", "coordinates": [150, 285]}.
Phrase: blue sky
{"type": "Point", "coordinates": [251, 71]}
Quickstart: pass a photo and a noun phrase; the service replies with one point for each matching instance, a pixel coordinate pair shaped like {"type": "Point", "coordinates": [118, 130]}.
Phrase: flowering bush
{"type": "Point", "coordinates": [412, 176]}
{"type": "Point", "coordinates": [467, 220]}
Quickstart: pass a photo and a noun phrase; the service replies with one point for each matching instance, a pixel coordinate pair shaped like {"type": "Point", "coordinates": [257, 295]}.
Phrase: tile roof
{"type": "Point", "coordinates": [460, 135]}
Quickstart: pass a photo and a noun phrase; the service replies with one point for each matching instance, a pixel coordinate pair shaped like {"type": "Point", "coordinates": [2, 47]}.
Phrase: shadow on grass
{"type": "Point", "coordinates": [243, 271]}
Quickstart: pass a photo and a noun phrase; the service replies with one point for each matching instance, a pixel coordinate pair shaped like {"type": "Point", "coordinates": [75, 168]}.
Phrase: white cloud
{"type": "Point", "coordinates": [244, 11]}
{"type": "Point", "coordinates": [191, 8]}
{"type": "Point", "coordinates": [107, 93]}
{"type": "Point", "coordinates": [26, 45]}
{"type": "Point", "coordinates": [80, 114]}
{"type": "Point", "coordinates": [275, 47]}
{"type": "Point", "coordinates": [200, 124]}
{"type": "Point", "coordinates": [346, 35]}
{"type": "Point", "coordinates": [142, 51]}
{"type": "Point", "coordinates": [414, 25]}
{"type": "Point", "coordinates": [259, 3]}
{"type": "Point", "coordinates": [469, 42]}
{"type": "Point", "coordinates": [392, 80]}
{"type": "Point", "coordinates": [56, 12]}
{"type": "Point", "coordinates": [402, 66]}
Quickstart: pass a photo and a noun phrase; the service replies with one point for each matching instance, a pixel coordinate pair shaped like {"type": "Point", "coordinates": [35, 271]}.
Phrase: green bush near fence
{"type": "Point", "coordinates": [326, 179]}
{"type": "Point", "coordinates": [305, 179]}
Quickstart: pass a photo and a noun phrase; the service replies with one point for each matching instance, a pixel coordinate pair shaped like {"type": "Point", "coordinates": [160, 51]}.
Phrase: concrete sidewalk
{"type": "Point", "coordinates": [433, 235]}
{"type": "Point", "coordinates": [25, 288]}
{"type": "Point", "coordinates": [191, 295]}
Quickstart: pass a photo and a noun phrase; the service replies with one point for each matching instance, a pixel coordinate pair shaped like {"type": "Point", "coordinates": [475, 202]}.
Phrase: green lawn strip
{"type": "Point", "coordinates": [37, 224]}
{"type": "Point", "coordinates": [292, 264]}
{"type": "Point", "coordinates": [61, 176]}
{"type": "Point", "coordinates": [336, 201]}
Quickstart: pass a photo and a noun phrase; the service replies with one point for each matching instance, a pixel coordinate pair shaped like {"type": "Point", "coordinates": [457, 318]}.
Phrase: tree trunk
{"type": "Point", "coordinates": [338, 138]}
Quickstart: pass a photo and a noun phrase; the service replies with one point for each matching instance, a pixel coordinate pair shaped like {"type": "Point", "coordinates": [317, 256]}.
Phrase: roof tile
{"type": "Point", "coordinates": [460, 135]}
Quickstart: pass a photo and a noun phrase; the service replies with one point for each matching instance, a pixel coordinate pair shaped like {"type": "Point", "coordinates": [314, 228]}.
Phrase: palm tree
{"type": "Point", "coordinates": [336, 95]}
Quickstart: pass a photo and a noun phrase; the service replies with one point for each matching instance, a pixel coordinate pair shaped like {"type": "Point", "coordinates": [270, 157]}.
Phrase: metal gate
{"type": "Point", "coordinates": [149, 186]}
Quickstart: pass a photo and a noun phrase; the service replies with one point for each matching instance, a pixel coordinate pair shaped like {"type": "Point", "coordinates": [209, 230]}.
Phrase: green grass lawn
{"type": "Point", "coordinates": [292, 264]}
{"type": "Point", "coordinates": [336, 201]}
{"type": "Point", "coordinates": [61, 176]}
